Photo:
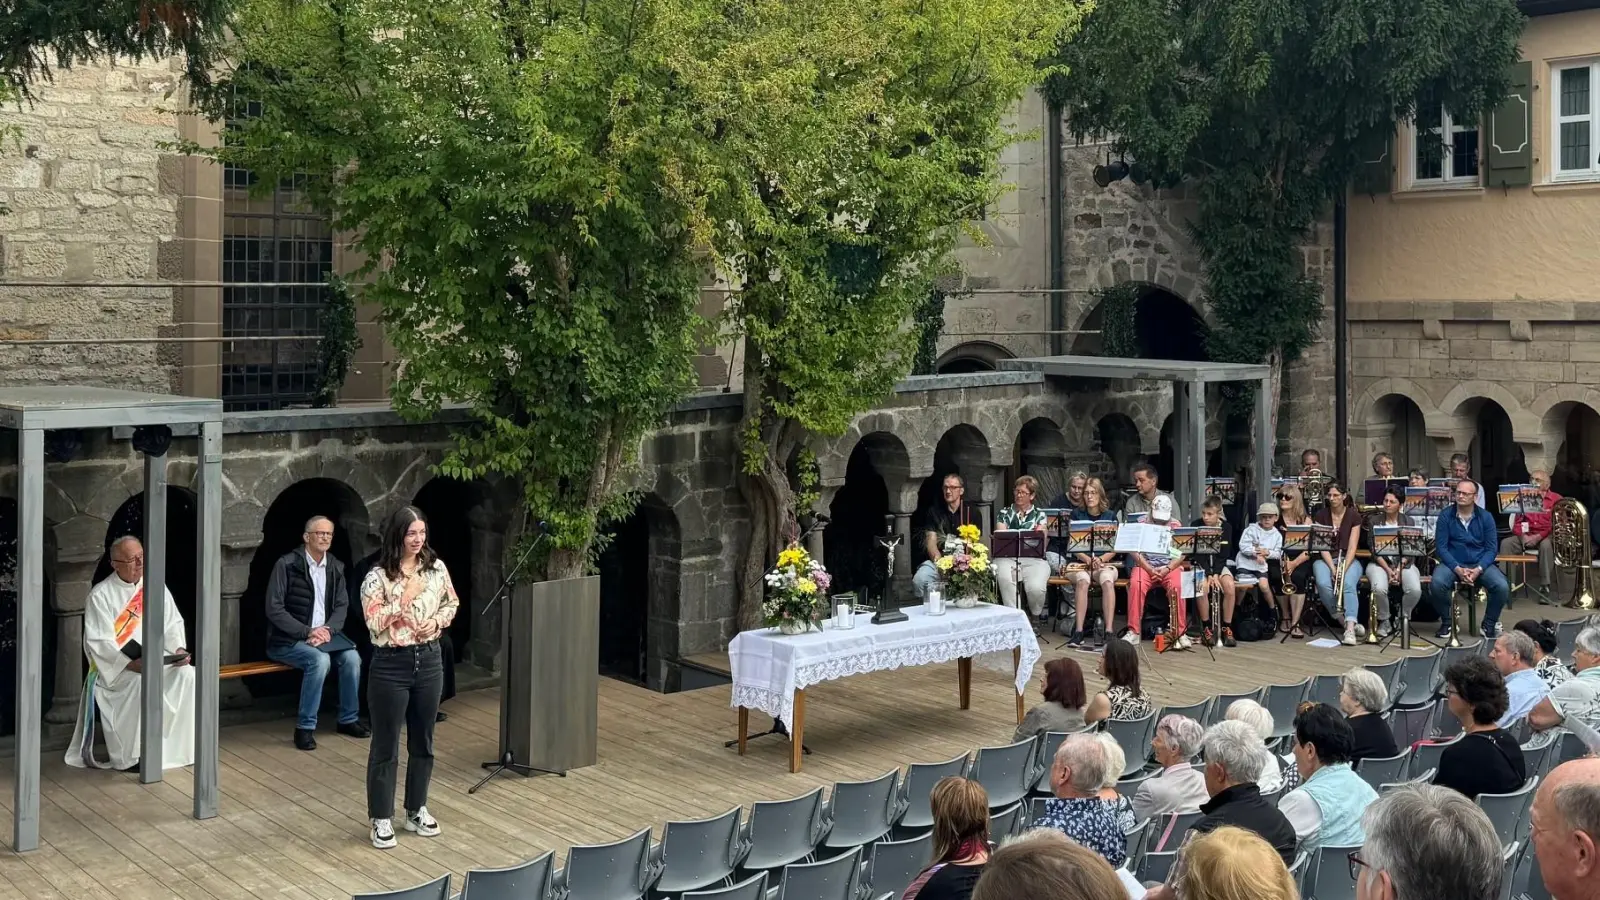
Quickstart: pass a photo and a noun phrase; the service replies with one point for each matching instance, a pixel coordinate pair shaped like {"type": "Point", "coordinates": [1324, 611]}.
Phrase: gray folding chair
{"type": "Point", "coordinates": [523, 881]}
{"type": "Point", "coordinates": [915, 814]}
{"type": "Point", "coordinates": [1007, 772]}
{"type": "Point", "coordinates": [1567, 637]}
{"type": "Point", "coordinates": [1324, 689]}
{"type": "Point", "coordinates": [1167, 831]}
{"type": "Point", "coordinates": [1379, 771]}
{"type": "Point", "coordinates": [1199, 712]}
{"type": "Point", "coordinates": [838, 878]}
{"type": "Point", "coordinates": [1036, 808]}
{"type": "Point", "coordinates": [1539, 753]}
{"type": "Point", "coordinates": [1529, 881]}
{"type": "Point", "coordinates": [1509, 812]}
{"type": "Point", "coordinates": [752, 888]}
{"type": "Point", "coordinates": [1219, 708]}
{"type": "Point", "coordinates": [1388, 671]}
{"type": "Point", "coordinates": [1410, 725]}
{"type": "Point", "coordinates": [1134, 838]}
{"type": "Point", "coordinates": [1426, 756]}
{"type": "Point", "coordinates": [1330, 874]}
{"type": "Point", "coordinates": [1423, 777]}
{"type": "Point", "coordinates": [895, 864]}
{"type": "Point", "coordinates": [1509, 858]}
{"type": "Point", "coordinates": [615, 871]}
{"type": "Point", "coordinates": [1004, 823]}
{"type": "Point", "coordinates": [1154, 867]}
{"type": "Point", "coordinates": [1129, 785]}
{"type": "Point", "coordinates": [860, 812]}
{"type": "Point", "coordinates": [780, 832]}
{"type": "Point", "coordinates": [1445, 724]}
{"type": "Point", "coordinates": [1282, 701]}
{"type": "Point", "coordinates": [1416, 680]}
{"type": "Point", "coordinates": [1133, 736]}
{"type": "Point", "coordinates": [1049, 743]}
{"type": "Point", "coordinates": [1571, 747]}
{"type": "Point", "coordinates": [1520, 730]}
{"type": "Point", "coordinates": [437, 889]}
{"type": "Point", "coordinates": [697, 854]}
{"type": "Point", "coordinates": [1302, 864]}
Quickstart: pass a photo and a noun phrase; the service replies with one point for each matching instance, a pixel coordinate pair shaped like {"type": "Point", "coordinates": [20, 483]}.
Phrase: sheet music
{"type": "Point", "coordinates": [1150, 540]}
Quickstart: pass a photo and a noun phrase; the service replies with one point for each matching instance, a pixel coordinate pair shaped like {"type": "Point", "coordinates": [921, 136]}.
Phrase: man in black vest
{"type": "Point", "coordinates": [306, 605]}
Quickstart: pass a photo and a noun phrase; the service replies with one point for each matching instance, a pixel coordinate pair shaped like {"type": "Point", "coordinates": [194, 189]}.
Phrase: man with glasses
{"type": "Point", "coordinates": [1466, 543]}
{"type": "Point", "coordinates": [941, 523]}
{"type": "Point", "coordinates": [113, 619]}
{"type": "Point", "coordinates": [306, 605]}
{"type": "Point", "coordinates": [1425, 842]}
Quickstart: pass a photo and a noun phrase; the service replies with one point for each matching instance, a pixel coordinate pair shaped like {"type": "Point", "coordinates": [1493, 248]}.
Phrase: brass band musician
{"type": "Point", "coordinates": [1381, 573]}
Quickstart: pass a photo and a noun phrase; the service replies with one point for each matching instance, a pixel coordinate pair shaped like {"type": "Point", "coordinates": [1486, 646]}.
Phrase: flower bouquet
{"type": "Point", "coordinates": [968, 577]}
{"type": "Point", "coordinates": [797, 592]}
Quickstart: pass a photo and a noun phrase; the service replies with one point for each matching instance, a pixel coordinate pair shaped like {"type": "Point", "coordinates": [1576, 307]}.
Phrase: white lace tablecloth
{"type": "Point", "coordinates": [768, 667]}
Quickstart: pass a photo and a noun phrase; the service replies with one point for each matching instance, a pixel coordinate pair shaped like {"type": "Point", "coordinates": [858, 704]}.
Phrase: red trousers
{"type": "Point", "coordinates": [1139, 585]}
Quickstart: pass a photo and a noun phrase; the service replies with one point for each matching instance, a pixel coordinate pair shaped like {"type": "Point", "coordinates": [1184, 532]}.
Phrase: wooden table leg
{"type": "Point", "coordinates": [964, 680]}
{"type": "Point", "coordinates": [1016, 665]}
{"type": "Point", "coordinates": [744, 727]}
{"type": "Point", "coordinates": [797, 731]}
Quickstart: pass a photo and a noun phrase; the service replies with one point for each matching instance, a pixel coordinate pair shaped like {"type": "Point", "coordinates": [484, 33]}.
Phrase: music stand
{"type": "Point", "coordinates": [1224, 489]}
{"type": "Point", "coordinates": [1319, 539]}
{"type": "Point", "coordinates": [1204, 540]}
{"type": "Point", "coordinates": [1411, 542]}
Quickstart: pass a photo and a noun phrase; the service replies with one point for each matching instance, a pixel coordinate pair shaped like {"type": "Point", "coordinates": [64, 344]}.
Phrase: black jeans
{"type": "Point", "coordinates": [403, 686]}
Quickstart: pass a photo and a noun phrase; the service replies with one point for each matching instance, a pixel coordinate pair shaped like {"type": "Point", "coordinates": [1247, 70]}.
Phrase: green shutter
{"type": "Point", "coordinates": [1509, 143]}
{"type": "Point", "coordinates": [1376, 172]}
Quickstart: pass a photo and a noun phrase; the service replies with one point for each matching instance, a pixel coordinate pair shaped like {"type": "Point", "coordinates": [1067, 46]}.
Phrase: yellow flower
{"type": "Point", "coordinates": [792, 557]}
{"type": "Point", "coordinates": [806, 586]}
{"type": "Point", "coordinates": [945, 563]}
{"type": "Point", "coordinates": [978, 549]}
{"type": "Point", "coordinates": [980, 564]}
{"type": "Point", "coordinates": [969, 533]}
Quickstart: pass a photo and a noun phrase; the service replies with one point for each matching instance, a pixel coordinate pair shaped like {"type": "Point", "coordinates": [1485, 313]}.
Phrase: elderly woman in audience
{"type": "Point", "coordinates": [1231, 864]}
{"type": "Point", "coordinates": [1425, 842]}
{"type": "Point", "coordinates": [1326, 808]}
{"type": "Point", "coordinates": [1123, 698]}
{"type": "Point", "coordinates": [1041, 864]}
{"type": "Point", "coordinates": [1578, 696]}
{"type": "Point", "coordinates": [1064, 699]}
{"type": "Point", "coordinates": [1179, 786]}
{"type": "Point", "coordinates": [960, 841]}
{"type": "Point", "coordinates": [1362, 695]}
{"type": "Point", "coordinates": [1076, 776]}
{"type": "Point", "coordinates": [1260, 721]}
{"type": "Point", "coordinates": [1116, 761]}
{"type": "Point", "coordinates": [1543, 632]}
{"type": "Point", "coordinates": [1486, 759]}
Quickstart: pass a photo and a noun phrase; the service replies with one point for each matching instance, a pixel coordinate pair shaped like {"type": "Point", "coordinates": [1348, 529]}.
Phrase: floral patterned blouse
{"type": "Point", "coordinates": [1125, 704]}
{"type": "Point", "coordinates": [1091, 822]}
{"type": "Point", "coordinates": [1553, 671]}
{"type": "Point", "coordinates": [1009, 518]}
{"type": "Point", "coordinates": [395, 624]}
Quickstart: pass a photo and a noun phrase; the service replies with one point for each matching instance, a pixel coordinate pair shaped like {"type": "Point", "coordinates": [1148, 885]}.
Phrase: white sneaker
{"type": "Point", "coordinates": [1132, 637]}
{"type": "Point", "coordinates": [422, 823]}
{"type": "Point", "coordinates": [1349, 639]}
{"type": "Point", "coordinates": [1361, 632]}
{"type": "Point", "coordinates": [383, 834]}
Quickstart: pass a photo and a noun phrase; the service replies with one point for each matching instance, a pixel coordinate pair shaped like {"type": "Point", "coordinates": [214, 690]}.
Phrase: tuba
{"type": "Point", "coordinates": [1569, 542]}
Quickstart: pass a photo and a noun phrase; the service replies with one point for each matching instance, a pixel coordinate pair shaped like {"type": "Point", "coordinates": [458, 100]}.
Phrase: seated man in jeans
{"type": "Point", "coordinates": [941, 522]}
{"type": "Point", "coordinates": [1466, 543]}
{"type": "Point", "coordinates": [306, 606]}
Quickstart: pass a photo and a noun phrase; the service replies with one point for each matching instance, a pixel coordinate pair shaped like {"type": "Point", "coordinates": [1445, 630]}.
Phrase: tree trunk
{"type": "Point", "coordinates": [764, 484]}
{"type": "Point", "coordinates": [572, 559]}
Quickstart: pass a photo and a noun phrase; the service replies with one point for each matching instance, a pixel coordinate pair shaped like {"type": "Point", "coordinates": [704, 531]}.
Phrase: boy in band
{"type": "Point", "coordinates": [1217, 575]}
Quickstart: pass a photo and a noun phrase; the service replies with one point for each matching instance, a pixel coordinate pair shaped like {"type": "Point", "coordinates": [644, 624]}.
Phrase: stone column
{"type": "Point", "coordinates": [236, 559]}
{"type": "Point", "coordinates": [908, 553]}
{"type": "Point", "coordinates": [815, 543]}
{"type": "Point", "coordinates": [72, 583]}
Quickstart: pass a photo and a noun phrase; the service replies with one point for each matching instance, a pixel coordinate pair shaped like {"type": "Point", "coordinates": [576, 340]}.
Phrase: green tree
{"type": "Point", "coordinates": [37, 36]}
{"type": "Point", "coordinates": [847, 205]}
{"type": "Point", "coordinates": [1268, 107]}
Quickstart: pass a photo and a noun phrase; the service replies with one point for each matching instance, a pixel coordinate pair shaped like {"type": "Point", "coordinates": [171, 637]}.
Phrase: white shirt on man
{"type": "Point", "coordinates": [319, 587]}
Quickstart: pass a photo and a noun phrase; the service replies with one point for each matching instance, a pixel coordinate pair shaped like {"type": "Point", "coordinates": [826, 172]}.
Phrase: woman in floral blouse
{"type": "Point", "coordinates": [408, 601]}
{"type": "Point", "coordinates": [1023, 515]}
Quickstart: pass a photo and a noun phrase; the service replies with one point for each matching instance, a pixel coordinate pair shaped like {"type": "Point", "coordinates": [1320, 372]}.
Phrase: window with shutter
{"type": "Point", "coordinates": [1376, 172]}
{"type": "Point", "coordinates": [1510, 145]}
{"type": "Point", "coordinates": [1575, 121]}
{"type": "Point", "coordinates": [1444, 151]}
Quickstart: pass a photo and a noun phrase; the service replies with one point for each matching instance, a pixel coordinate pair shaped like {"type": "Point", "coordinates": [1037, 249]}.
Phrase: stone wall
{"type": "Point", "coordinates": [89, 202]}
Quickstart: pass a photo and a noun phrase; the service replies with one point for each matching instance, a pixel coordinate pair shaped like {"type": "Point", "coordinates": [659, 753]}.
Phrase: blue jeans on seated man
{"type": "Point", "coordinates": [1352, 577]}
{"type": "Point", "coordinates": [927, 575]}
{"type": "Point", "coordinates": [314, 664]}
{"type": "Point", "coordinates": [1492, 579]}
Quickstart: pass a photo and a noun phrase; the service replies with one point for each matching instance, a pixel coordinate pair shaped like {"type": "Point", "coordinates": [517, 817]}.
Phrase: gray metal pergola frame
{"type": "Point", "coordinates": [1189, 380]}
{"type": "Point", "coordinates": [31, 411]}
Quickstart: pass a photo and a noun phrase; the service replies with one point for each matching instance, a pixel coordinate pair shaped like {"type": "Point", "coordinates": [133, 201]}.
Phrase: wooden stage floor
{"type": "Point", "coordinates": [293, 824]}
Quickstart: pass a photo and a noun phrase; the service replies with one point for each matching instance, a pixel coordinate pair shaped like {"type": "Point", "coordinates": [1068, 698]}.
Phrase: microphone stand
{"type": "Point", "coordinates": [507, 760]}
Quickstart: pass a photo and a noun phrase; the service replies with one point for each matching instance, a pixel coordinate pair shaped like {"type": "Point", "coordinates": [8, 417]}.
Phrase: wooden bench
{"type": "Point", "coordinates": [243, 670]}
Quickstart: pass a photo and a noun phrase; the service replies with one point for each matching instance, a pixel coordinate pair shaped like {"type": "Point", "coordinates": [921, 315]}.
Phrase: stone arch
{"type": "Point", "coordinates": [972, 356]}
{"type": "Point", "coordinates": [1496, 454]}
{"type": "Point", "coordinates": [1118, 438]}
{"type": "Point", "coordinates": [1560, 421]}
{"type": "Point", "coordinates": [1453, 420]}
{"type": "Point", "coordinates": [1393, 423]}
{"type": "Point", "coordinates": [873, 490]}
{"type": "Point", "coordinates": [448, 505]}
{"type": "Point", "coordinates": [640, 605]}
{"type": "Point", "coordinates": [282, 530]}
{"type": "Point", "coordinates": [379, 497]}
{"type": "Point", "coordinates": [1365, 404]}
{"type": "Point", "coordinates": [962, 450]}
{"type": "Point", "coordinates": [1156, 296]}
{"type": "Point", "coordinates": [1041, 451]}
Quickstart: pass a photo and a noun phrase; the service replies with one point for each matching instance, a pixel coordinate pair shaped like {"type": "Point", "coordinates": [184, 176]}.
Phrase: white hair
{"type": "Point", "coordinates": [1253, 714]}
{"type": "Point", "coordinates": [1519, 646]}
{"type": "Point", "coordinates": [315, 519]}
{"type": "Point", "coordinates": [1588, 640]}
{"type": "Point", "coordinates": [1433, 842]}
{"type": "Point", "coordinates": [1182, 734]}
{"type": "Point", "coordinates": [1366, 688]}
{"type": "Point", "coordinates": [1116, 760]}
{"type": "Point", "coordinates": [1234, 745]}
{"type": "Point", "coordinates": [126, 539]}
{"type": "Point", "coordinates": [1086, 756]}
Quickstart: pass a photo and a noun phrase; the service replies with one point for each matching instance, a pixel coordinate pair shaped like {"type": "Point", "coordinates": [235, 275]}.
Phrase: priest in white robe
{"type": "Point", "coordinates": [112, 640]}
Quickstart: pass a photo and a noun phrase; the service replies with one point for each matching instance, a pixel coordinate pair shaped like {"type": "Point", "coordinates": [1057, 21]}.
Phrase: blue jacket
{"type": "Point", "coordinates": [1473, 545]}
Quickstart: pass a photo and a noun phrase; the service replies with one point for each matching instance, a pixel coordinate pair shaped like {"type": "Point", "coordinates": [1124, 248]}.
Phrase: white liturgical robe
{"type": "Point", "coordinates": [112, 619]}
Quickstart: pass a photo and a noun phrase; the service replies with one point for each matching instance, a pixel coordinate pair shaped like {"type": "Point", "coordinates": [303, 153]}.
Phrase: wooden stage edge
{"type": "Point", "coordinates": [293, 824]}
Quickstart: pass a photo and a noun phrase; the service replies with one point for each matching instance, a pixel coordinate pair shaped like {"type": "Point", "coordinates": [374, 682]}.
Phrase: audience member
{"type": "Point", "coordinates": [1487, 759]}
{"type": "Point", "coordinates": [1513, 655]}
{"type": "Point", "coordinates": [1233, 756]}
{"type": "Point", "coordinates": [1362, 696]}
{"type": "Point", "coordinates": [1231, 864]}
{"type": "Point", "coordinates": [1123, 698]}
{"type": "Point", "coordinates": [1578, 696]}
{"type": "Point", "coordinates": [1064, 699]}
{"type": "Point", "coordinates": [1426, 842]}
{"type": "Point", "coordinates": [1326, 808]}
{"type": "Point", "coordinates": [1566, 830]}
{"type": "Point", "coordinates": [1260, 721]}
{"type": "Point", "coordinates": [1042, 864]}
{"type": "Point", "coordinates": [1179, 786]}
{"type": "Point", "coordinates": [1076, 776]}
{"type": "Point", "coordinates": [960, 841]}
{"type": "Point", "coordinates": [1116, 761]}
{"type": "Point", "coordinates": [1549, 667]}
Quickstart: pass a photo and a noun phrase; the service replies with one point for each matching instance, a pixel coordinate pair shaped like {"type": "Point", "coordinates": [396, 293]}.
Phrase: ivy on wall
{"type": "Point", "coordinates": [1118, 332]}
{"type": "Point", "coordinates": [928, 320]}
{"type": "Point", "coordinates": [340, 341]}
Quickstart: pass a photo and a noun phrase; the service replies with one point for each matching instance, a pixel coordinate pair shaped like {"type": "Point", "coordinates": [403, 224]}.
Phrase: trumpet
{"type": "Point", "coordinates": [1455, 616]}
{"type": "Point", "coordinates": [1372, 603]}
